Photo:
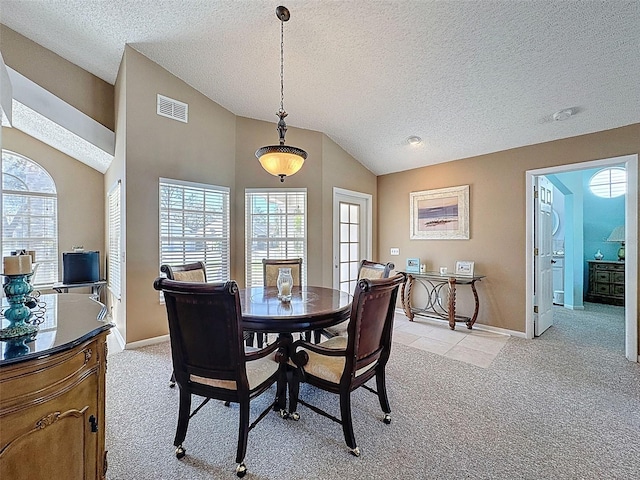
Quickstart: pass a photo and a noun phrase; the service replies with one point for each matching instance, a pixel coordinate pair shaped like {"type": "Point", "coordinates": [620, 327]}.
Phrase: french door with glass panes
{"type": "Point", "coordinates": [352, 236]}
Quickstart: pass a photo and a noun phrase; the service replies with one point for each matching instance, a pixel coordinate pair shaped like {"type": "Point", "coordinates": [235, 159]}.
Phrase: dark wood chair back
{"type": "Point", "coordinates": [367, 269]}
{"type": "Point", "coordinates": [373, 270]}
{"type": "Point", "coordinates": [371, 325]}
{"type": "Point", "coordinates": [270, 270]}
{"type": "Point", "coordinates": [205, 329]}
{"type": "Point", "coordinates": [209, 358]}
{"type": "Point", "coordinates": [189, 272]}
{"type": "Point", "coordinates": [365, 352]}
{"type": "Point", "coordinates": [270, 267]}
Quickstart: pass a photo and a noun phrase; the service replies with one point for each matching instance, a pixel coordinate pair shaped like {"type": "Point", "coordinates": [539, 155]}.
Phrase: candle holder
{"type": "Point", "coordinates": [17, 289]}
{"type": "Point", "coordinates": [284, 284]}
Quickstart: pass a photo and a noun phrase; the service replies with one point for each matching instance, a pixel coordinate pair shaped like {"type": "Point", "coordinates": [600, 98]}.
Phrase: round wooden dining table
{"type": "Point", "coordinates": [311, 308]}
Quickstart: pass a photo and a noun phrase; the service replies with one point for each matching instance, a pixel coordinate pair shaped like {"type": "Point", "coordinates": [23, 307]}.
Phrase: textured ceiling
{"type": "Point", "coordinates": [468, 77]}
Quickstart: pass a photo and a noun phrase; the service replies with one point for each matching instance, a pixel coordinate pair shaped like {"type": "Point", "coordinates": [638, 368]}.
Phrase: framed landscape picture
{"type": "Point", "coordinates": [441, 214]}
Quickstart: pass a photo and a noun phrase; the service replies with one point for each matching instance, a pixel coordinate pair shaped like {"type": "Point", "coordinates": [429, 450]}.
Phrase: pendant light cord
{"type": "Point", "coordinates": [281, 65]}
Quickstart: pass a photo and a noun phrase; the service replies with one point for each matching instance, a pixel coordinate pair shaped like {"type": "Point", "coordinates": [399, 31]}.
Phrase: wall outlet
{"type": "Point", "coordinates": [395, 251]}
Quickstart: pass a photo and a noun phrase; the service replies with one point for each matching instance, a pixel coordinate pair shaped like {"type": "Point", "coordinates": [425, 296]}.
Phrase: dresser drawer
{"type": "Point", "coordinates": [609, 267]}
{"type": "Point", "coordinates": [606, 282]}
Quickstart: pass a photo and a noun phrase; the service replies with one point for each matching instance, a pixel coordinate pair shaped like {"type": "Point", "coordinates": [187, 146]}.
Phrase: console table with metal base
{"type": "Point", "coordinates": [441, 301]}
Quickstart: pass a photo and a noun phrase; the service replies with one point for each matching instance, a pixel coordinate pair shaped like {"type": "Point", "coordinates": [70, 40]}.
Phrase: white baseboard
{"type": "Point", "coordinates": [147, 342]}
{"type": "Point", "coordinates": [476, 326]}
{"type": "Point", "coordinates": [573, 307]}
{"type": "Point", "coordinates": [117, 336]}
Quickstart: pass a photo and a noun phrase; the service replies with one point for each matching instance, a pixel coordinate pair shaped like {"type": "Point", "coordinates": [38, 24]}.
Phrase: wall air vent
{"type": "Point", "coordinates": [170, 108]}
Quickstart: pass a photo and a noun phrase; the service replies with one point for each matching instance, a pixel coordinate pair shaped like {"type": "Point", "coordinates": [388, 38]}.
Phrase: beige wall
{"type": "Point", "coordinates": [253, 134]}
{"type": "Point", "coordinates": [327, 166]}
{"type": "Point", "coordinates": [202, 150]}
{"type": "Point", "coordinates": [497, 215]}
{"type": "Point", "coordinates": [80, 193]}
{"type": "Point", "coordinates": [342, 171]}
{"type": "Point", "coordinates": [217, 147]}
{"type": "Point", "coordinates": [76, 86]}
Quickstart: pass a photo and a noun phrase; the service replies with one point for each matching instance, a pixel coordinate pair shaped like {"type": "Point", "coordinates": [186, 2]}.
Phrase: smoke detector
{"type": "Point", "coordinates": [563, 114]}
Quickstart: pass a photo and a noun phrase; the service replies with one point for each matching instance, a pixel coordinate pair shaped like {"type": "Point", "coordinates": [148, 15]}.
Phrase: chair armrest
{"type": "Point", "coordinates": [318, 348]}
{"type": "Point", "coordinates": [301, 358]}
{"type": "Point", "coordinates": [278, 344]}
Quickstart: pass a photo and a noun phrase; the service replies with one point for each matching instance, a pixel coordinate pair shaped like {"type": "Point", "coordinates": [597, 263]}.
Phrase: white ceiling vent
{"type": "Point", "coordinates": [170, 108]}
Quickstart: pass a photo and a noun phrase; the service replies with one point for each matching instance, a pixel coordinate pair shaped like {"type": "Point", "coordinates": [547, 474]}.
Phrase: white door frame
{"type": "Point", "coordinates": [631, 246]}
{"type": "Point", "coordinates": [341, 194]}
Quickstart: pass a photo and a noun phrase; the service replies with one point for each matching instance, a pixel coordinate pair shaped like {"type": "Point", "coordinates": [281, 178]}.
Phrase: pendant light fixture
{"type": "Point", "coordinates": [281, 160]}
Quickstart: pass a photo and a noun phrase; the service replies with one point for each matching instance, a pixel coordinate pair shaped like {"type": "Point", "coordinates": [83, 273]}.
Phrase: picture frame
{"type": "Point", "coordinates": [413, 265]}
{"type": "Point", "coordinates": [440, 214]}
{"type": "Point", "coordinates": [464, 268]}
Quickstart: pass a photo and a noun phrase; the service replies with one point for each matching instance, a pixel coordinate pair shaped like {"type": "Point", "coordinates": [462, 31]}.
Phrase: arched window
{"type": "Point", "coordinates": [30, 214]}
{"type": "Point", "coordinates": [609, 182]}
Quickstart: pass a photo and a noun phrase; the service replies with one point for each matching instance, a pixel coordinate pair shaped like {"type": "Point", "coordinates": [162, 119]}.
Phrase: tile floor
{"type": "Point", "coordinates": [477, 347]}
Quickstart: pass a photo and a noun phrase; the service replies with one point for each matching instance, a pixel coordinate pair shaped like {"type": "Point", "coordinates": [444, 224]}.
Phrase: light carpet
{"type": "Point", "coordinates": [562, 406]}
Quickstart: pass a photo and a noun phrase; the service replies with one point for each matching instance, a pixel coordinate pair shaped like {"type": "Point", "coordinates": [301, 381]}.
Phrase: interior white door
{"type": "Point", "coordinates": [543, 255]}
{"type": "Point", "coordinates": [352, 236]}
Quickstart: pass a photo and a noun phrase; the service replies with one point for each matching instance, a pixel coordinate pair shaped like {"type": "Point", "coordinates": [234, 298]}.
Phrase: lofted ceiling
{"type": "Point", "coordinates": [468, 77]}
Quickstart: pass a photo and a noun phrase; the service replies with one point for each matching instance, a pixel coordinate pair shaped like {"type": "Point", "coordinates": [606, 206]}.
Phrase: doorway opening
{"type": "Point", "coordinates": [631, 263]}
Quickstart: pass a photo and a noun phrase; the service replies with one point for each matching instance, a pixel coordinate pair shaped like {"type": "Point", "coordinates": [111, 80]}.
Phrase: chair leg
{"type": "Point", "coordinates": [293, 380]}
{"type": "Point", "coordinates": [381, 386]}
{"type": "Point", "coordinates": [281, 391]}
{"type": "Point", "coordinates": [317, 336]}
{"type": "Point", "coordinates": [249, 339]}
{"type": "Point", "coordinates": [183, 417]}
{"type": "Point", "coordinates": [260, 339]}
{"type": "Point", "coordinates": [243, 430]}
{"type": "Point", "coordinates": [347, 423]}
{"type": "Point", "coordinates": [172, 380]}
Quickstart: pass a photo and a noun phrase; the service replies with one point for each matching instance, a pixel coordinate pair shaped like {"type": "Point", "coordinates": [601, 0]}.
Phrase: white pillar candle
{"type": "Point", "coordinates": [285, 289]}
{"type": "Point", "coordinates": [17, 265]}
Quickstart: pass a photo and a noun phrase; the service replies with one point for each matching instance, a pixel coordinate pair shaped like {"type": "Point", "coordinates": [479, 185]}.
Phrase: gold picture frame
{"type": "Point", "coordinates": [441, 214]}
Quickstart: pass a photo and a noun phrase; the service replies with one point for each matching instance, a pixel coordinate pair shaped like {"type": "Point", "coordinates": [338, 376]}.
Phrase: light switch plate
{"type": "Point", "coordinates": [395, 251]}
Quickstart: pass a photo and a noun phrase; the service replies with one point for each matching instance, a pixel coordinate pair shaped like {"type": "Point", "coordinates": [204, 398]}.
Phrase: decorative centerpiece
{"type": "Point", "coordinates": [17, 287]}
{"type": "Point", "coordinates": [284, 284]}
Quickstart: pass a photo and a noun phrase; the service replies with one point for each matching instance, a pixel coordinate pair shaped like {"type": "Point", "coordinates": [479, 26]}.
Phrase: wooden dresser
{"type": "Point", "coordinates": [606, 282]}
{"type": "Point", "coordinates": [52, 395]}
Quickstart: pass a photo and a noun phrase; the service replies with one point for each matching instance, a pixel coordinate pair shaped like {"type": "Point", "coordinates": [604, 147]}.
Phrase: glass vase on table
{"type": "Point", "coordinates": [284, 284]}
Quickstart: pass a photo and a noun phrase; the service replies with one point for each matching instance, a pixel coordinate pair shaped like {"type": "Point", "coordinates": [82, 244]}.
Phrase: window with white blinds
{"type": "Point", "coordinates": [30, 214]}
{"type": "Point", "coordinates": [194, 226]}
{"type": "Point", "coordinates": [114, 260]}
{"type": "Point", "coordinates": [276, 227]}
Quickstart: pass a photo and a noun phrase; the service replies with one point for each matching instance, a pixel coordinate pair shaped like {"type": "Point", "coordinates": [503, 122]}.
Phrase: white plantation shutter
{"type": "Point", "coordinates": [30, 214]}
{"type": "Point", "coordinates": [194, 226]}
{"type": "Point", "coordinates": [276, 227]}
{"type": "Point", "coordinates": [114, 260]}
